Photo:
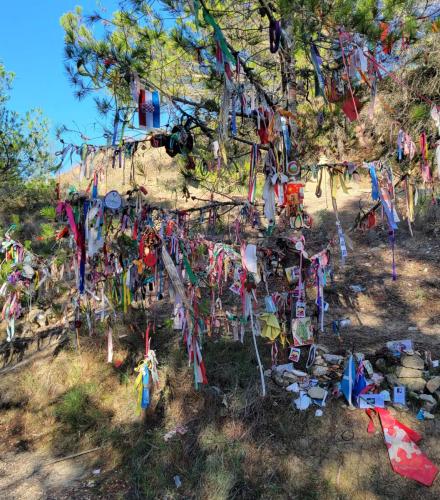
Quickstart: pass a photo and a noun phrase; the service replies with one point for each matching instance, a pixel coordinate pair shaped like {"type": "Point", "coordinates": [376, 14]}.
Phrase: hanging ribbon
{"type": "Point", "coordinates": [218, 35]}
{"type": "Point", "coordinates": [274, 35]}
{"type": "Point", "coordinates": [400, 144]}
{"type": "Point", "coordinates": [95, 186]}
{"type": "Point", "coordinates": [424, 165]}
{"type": "Point", "coordinates": [355, 104]}
{"type": "Point", "coordinates": [147, 378]}
{"type": "Point", "coordinates": [109, 345]}
{"type": "Point", "coordinates": [253, 173]}
{"type": "Point", "coordinates": [66, 207]}
{"type": "Point", "coordinates": [409, 196]}
{"type": "Point", "coordinates": [374, 182]}
{"type": "Point", "coordinates": [115, 127]}
{"type": "Point", "coordinates": [317, 63]}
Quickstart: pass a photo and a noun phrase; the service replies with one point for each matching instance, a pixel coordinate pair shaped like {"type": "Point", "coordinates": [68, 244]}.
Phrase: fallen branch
{"type": "Point", "coordinates": [42, 353]}
{"type": "Point", "coordinates": [74, 455]}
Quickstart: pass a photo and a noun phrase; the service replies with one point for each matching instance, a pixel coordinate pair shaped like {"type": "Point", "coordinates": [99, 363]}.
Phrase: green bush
{"type": "Point", "coordinates": [77, 411]}
{"type": "Point", "coordinates": [418, 113]}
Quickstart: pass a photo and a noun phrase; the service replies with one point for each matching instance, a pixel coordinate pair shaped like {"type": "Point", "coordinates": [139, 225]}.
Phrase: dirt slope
{"type": "Point", "coordinates": [236, 446]}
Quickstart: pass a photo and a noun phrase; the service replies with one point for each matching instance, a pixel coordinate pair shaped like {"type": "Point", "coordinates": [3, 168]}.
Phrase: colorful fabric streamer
{"type": "Point", "coordinates": [317, 63]}
{"type": "Point", "coordinates": [253, 173]}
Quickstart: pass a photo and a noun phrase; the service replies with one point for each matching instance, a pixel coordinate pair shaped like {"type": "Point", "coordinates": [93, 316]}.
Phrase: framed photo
{"type": "Point", "coordinates": [302, 331]}
{"type": "Point", "coordinates": [294, 354]}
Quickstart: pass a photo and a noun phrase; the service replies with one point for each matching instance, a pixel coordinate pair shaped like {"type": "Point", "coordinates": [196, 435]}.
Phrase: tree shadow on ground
{"type": "Point", "coordinates": [239, 445]}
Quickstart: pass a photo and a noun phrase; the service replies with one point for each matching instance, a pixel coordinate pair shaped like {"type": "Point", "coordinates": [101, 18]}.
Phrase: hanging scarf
{"type": "Point", "coordinates": [317, 63]}
{"type": "Point", "coordinates": [274, 35]}
{"type": "Point", "coordinates": [374, 182]}
{"type": "Point", "coordinates": [354, 101]}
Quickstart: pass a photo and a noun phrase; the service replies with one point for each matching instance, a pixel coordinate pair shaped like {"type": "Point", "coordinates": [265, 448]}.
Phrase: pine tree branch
{"type": "Point", "coordinates": [247, 70]}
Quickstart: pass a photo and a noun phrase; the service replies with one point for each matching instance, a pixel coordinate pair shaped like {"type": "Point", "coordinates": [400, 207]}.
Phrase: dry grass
{"type": "Point", "coordinates": [69, 402]}
{"type": "Point", "coordinates": [237, 445]}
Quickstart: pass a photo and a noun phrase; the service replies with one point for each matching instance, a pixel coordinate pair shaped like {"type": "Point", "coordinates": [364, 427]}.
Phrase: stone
{"type": "Point", "coordinates": [403, 372]}
{"type": "Point", "coordinates": [333, 359]}
{"type": "Point", "coordinates": [320, 361]}
{"type": "Point", "coordinates": [279, 379]}
{"type": "Point", "coordinates": [433, 384]}
{"type": "Point", "coordinates": [391, 379]}
{"type": "Point", "coordinates": [319, 371]}
{"type": "Point", "coordinates": [429, 406]}
{"type": "Point", "coordinates": [41, 320]}
{"type": "Point", "coordinates": [413, 384]}
{"type": "Point", "coordinates": [320, 347]}
{"type": "Point", "coordinates": [316, 392]}
{"type": "Point", "coordinates": [414, 361]}
{"type": "Point", "coordinates": [288, 379]}
{"type": "Point", "coordinates": [399, 407]}
{"type": "Point", "coordinates": [293, 387]}
{"type": "Point", "coordinates": [381, 365]}
{"type": "Point", "coordinates": [34, 313]}
{"type": "Point", "coordinates": [427, 397]}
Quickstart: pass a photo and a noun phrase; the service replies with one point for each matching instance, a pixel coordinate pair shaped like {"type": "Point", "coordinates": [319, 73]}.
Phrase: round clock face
{"type": "Point", "coordinates": [113, 200]}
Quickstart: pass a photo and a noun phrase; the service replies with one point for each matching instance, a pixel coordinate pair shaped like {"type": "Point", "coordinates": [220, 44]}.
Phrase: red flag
{"type": "Point", "coordinates": [406, 457]}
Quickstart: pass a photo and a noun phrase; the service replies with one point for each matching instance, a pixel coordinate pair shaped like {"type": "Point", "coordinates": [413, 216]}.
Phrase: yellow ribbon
{"type": "Point", "coordinates": [138, 384]}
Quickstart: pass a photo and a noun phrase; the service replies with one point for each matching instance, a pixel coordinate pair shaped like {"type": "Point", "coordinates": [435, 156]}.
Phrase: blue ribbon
{"type": "Point", "coordinates": [145, 402]}
{"type": "Point", "coordinates": [115, 128]}
{"type": "Point", "coordinates": [317, 61]}
{"type": "Point", "coordinates": [156, 112]}
{"type": "Point", "coordinates": [95, 189]}
{"type": "Point", "coordinates": [287, 143]}
{"type": "Point", "coordinates": [234, 117]}
{"type": "Point", "coordinates": [374, 183]}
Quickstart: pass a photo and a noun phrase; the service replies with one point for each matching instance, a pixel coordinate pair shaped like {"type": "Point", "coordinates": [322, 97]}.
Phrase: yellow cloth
{"type": "Point", "coordinates": [138, 384]}
{"type": "Point", "coordinates": [271, 328]}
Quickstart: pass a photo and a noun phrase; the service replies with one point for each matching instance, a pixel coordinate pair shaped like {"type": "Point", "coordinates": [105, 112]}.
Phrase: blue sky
{"type": "Point", "coordinates": [31, 45]}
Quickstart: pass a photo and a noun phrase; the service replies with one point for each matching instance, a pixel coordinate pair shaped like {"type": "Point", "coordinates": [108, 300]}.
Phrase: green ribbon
{"type": "Point", "coordinates": [218, 35]}
{"type": "Point", "coordinates": [192, 277]}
